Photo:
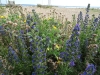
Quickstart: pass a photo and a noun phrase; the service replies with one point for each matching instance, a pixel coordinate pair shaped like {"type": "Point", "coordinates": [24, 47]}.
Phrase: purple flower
{"type": "Point", "coordinates": [86, 18]}
{"type": "Point", "coordinates": [32, 27]}
{"type": "Point", "coordinates": [96, 20]}
{"type": "Point", "coordinates": [1, 27]}
{"type": "Point", "coordinates": [79, 56]}
{"type": "Point", "coordinates": [47, 38]}
{"type": "Point", "coordinates": [76, 28]}
{"type": "Point", "coordinates": [55, 73]}
{"type": "Point", "coordinates": [39, 38]}
{"type": "Point", "coordinates": [64, 56]}
{"type": "Point", "coordinates": [88, 8]}
{"type": "Point", "coordinates": [2, 32]}
{"type": "Point", "coordinates": [77, 43]}
{"type": "Point", "coordinates": [90, 70]}
{"type": "Point", "coordinates": [91, 67]}
{"type": "Point", "coordinates": [72, 63]}
{"type": "Point", "coordinates": [84, 73]}
{"type": "Point", "coordinates": [33, 73]}
{"type": "Point", "coordinates": [12, 54]}
{"type": "Point", "coordinates": [95, 24]}
{"type": "Point", "coordinates": [38, 56]}
{"type": "Point", "coordinates": [80, 17]}
{"type": "Point", "coordinates": [1, 64]}
{"type": "Point", "coordinates": [22, 31]}
{"type": "Point", "coordinates": [72, 52]}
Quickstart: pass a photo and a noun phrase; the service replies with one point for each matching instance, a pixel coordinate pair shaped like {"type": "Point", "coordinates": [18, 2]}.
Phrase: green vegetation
{"type": "Point", "coordinates": [37, 46]}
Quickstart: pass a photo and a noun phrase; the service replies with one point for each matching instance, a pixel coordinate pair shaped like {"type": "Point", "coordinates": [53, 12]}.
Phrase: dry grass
{"type": "Point", "coordinates": [57, 12]}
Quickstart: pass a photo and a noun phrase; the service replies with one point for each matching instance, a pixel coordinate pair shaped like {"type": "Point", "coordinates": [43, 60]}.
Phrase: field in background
{"type": "Point", "coordinates": [47, 11]}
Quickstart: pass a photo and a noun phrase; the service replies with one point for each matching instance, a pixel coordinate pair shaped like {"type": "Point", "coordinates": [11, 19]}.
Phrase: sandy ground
{"type": "Point", "coordinates": [58, 12]}
{"type": "Point", "coordinates": [66, 12]}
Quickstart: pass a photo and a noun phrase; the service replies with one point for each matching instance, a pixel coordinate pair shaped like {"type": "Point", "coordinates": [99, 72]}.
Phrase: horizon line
{"type": "Point", "coordinates": [57, 5]}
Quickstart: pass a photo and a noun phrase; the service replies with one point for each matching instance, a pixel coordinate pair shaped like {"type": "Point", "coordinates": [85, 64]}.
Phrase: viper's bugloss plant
{"type": "Point", "coordinates": [36, 45]}
{"type": "Point", "coordinates": [90, 69]}
{"type": "Point", "coordinates": [12, 55]}
{"type": "Point", "coordinates": [80, 18]}
{"type": "Point", "coordinates": [38, 57]}
{"type": "Point", "coordinates": [72, 52]}
{"type": "Point", "coordinates": [2, 31]}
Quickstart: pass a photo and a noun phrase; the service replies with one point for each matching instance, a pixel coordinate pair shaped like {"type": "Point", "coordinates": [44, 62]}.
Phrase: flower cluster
{"type": "Point", "coordinates": [12, 55]}
{"type": "Point", "coordinates": [90, 70]}
{"type": "Point", "coordinates": [38, 56]}
{"type": "Point", "coordinates": [2, 31]}
{"type": "Point", "coordinates": [29, 19]}
{"type": "Point", "coordinates": [72, 52]}
{"type": "Point", "coordinates": [86, 18]}
{"type": "Point", "coordinates": [80, 17]}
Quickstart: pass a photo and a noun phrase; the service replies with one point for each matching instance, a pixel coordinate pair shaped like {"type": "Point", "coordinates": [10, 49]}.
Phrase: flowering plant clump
{"type": "Point", "coordinates": [31, 45]}
{"type": "Point", "coordinates": [90, 70]}
{"type": "Point", "coordinates": [72, 52]}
